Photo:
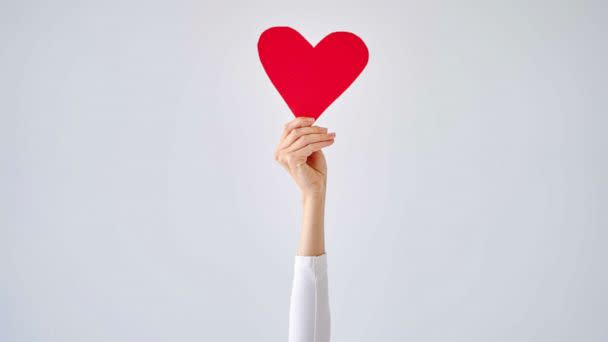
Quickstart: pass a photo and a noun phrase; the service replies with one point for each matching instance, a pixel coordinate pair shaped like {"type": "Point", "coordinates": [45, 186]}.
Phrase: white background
{"type": "Point", "coordinates": [467, 186]}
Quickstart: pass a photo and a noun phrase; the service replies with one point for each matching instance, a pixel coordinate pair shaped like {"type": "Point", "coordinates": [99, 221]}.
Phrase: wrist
{"type": "Point", "coordinates": [317, 196]}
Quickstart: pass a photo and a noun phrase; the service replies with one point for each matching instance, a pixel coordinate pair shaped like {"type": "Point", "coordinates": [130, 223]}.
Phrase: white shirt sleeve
{"type": "Point", "coordinates": [309, 319]}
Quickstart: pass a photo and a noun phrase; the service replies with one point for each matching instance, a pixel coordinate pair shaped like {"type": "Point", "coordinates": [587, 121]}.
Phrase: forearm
{"type": "Point", "coordinates": [312, 234]}
{"type": "Point", "coordinates": [309, 316]}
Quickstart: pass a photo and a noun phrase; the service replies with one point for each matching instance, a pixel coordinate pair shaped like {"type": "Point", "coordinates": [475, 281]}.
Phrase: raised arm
{"type": "Point", "coordinates": [299, 152]}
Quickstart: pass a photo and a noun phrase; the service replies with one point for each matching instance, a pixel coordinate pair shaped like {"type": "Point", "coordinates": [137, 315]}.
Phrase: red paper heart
{"type": "Point", "coordinates": [310, 78]}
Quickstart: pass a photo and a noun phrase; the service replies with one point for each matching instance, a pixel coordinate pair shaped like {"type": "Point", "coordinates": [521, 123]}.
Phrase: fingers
{"type": "Point", "coordinates": [296, 123]}
{"type": "Point", "coordinates": [299, 132]}
{"type": "Point", "coordinates": [312, 148]}
{"type": "Point", "coordinates": [310, 139]}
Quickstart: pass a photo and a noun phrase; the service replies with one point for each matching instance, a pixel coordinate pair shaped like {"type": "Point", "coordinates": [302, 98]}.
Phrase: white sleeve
{"type": "Point", "coordinates": [309, 319]}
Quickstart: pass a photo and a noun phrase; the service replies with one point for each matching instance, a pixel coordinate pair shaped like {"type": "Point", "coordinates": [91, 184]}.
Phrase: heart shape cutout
{"type": "Point", "coordinates": [311, 78]}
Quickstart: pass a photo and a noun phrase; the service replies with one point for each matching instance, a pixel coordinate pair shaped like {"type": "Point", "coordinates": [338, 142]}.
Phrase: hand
{"type": "Point", "coordinates": [299, 152]}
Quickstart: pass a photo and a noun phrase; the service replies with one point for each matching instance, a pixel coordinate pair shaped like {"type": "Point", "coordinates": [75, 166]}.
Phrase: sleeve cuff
{"type": "Point", "coordinates": [317, 263]}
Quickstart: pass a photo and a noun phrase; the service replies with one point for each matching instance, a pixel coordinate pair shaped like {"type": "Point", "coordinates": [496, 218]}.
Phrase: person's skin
{"type": "Point", "coordinates": [299, 152]}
